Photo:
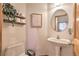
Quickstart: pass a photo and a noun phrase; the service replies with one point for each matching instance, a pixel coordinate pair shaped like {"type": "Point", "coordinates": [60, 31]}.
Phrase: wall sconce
{"type": "Point", "coordinates": [70, 31]}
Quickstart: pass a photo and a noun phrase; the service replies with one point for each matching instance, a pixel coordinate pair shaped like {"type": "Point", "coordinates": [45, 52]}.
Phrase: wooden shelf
{"type": "Point", "coordinates": [8, 21]}
{"type": "Point", "coordinates": [21, 17]}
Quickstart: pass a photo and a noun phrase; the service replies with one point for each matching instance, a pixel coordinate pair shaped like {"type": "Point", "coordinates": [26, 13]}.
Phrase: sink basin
{"type": "Point", "coordinates": [60, 42]}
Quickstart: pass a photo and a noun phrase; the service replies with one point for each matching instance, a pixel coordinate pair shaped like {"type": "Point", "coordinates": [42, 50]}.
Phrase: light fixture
{"type": "Point", "coordinates": [58, 4]}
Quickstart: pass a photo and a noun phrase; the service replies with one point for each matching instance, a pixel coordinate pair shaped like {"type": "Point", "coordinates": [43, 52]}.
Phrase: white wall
{"type": "Point", "coordinates": [70, 13]}
{"type": "Point", "coordinates": [69, 8]}
{"type": "Point", "coordinates": [14, 36]}
{"type": "Point", "coordinates": [37, 37]}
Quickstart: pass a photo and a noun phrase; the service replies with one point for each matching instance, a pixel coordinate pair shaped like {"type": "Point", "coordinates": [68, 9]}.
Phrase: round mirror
{"type": "Point", "coordinates": [59, 21]}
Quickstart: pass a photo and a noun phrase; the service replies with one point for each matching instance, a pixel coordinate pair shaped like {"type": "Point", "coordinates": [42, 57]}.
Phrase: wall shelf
{"type": "Point", "coordinates": [10, 12]}
{"type": "Point", "coordinates": [21, 17]}
{"type": "Point", "coordinates": [8, 21]}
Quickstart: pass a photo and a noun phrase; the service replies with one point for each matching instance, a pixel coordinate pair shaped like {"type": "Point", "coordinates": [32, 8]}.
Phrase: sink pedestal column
{"type": "Point", "coordinates": [58, 50]}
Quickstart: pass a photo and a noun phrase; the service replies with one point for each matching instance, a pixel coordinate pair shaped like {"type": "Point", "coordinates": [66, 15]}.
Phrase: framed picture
{"type": "Point", "coordinates": [36, 20]}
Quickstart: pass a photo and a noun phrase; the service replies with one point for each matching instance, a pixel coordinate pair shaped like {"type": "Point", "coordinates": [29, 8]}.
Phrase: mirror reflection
{"type": "Point", "coordinates": [60, 21]}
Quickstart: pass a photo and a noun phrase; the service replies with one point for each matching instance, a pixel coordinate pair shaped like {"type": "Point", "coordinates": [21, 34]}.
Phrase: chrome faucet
{"type": "Point", "coordinates": [58, 37]}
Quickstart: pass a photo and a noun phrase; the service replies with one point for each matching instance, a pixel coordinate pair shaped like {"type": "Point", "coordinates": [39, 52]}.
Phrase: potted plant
{"type": "Point", "coordinates": [10, 12]}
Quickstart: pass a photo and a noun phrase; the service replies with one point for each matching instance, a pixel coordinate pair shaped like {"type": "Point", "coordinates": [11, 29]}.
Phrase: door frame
{"type": "Point", "coordinates": [75, 24]}
{"type": "Point", "coordinates": [1, 22]}
{"type": "Point", "coordinates": [75, 20]}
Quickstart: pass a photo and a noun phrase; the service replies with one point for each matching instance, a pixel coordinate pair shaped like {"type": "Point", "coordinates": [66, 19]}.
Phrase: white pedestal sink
{"type": "Point", "coordinates": [59, 43]}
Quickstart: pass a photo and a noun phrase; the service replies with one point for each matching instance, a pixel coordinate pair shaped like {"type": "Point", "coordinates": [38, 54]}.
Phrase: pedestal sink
{"type": "Point", "coordinates": [59, 43]}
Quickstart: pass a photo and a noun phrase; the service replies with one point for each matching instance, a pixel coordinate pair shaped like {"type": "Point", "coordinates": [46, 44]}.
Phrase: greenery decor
{"type": "Point", "coordinates": [10, 12]}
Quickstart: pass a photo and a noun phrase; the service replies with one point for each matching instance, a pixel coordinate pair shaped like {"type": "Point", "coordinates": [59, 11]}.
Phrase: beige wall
{"type": "Point", "coordinates": [64, 35]}
{"type": "Point", "coordinates": [37, 37]}
{"type": "Point", "coordinates": [14, 37]}
{"type": "Point", "coordinates": [69, 11]}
